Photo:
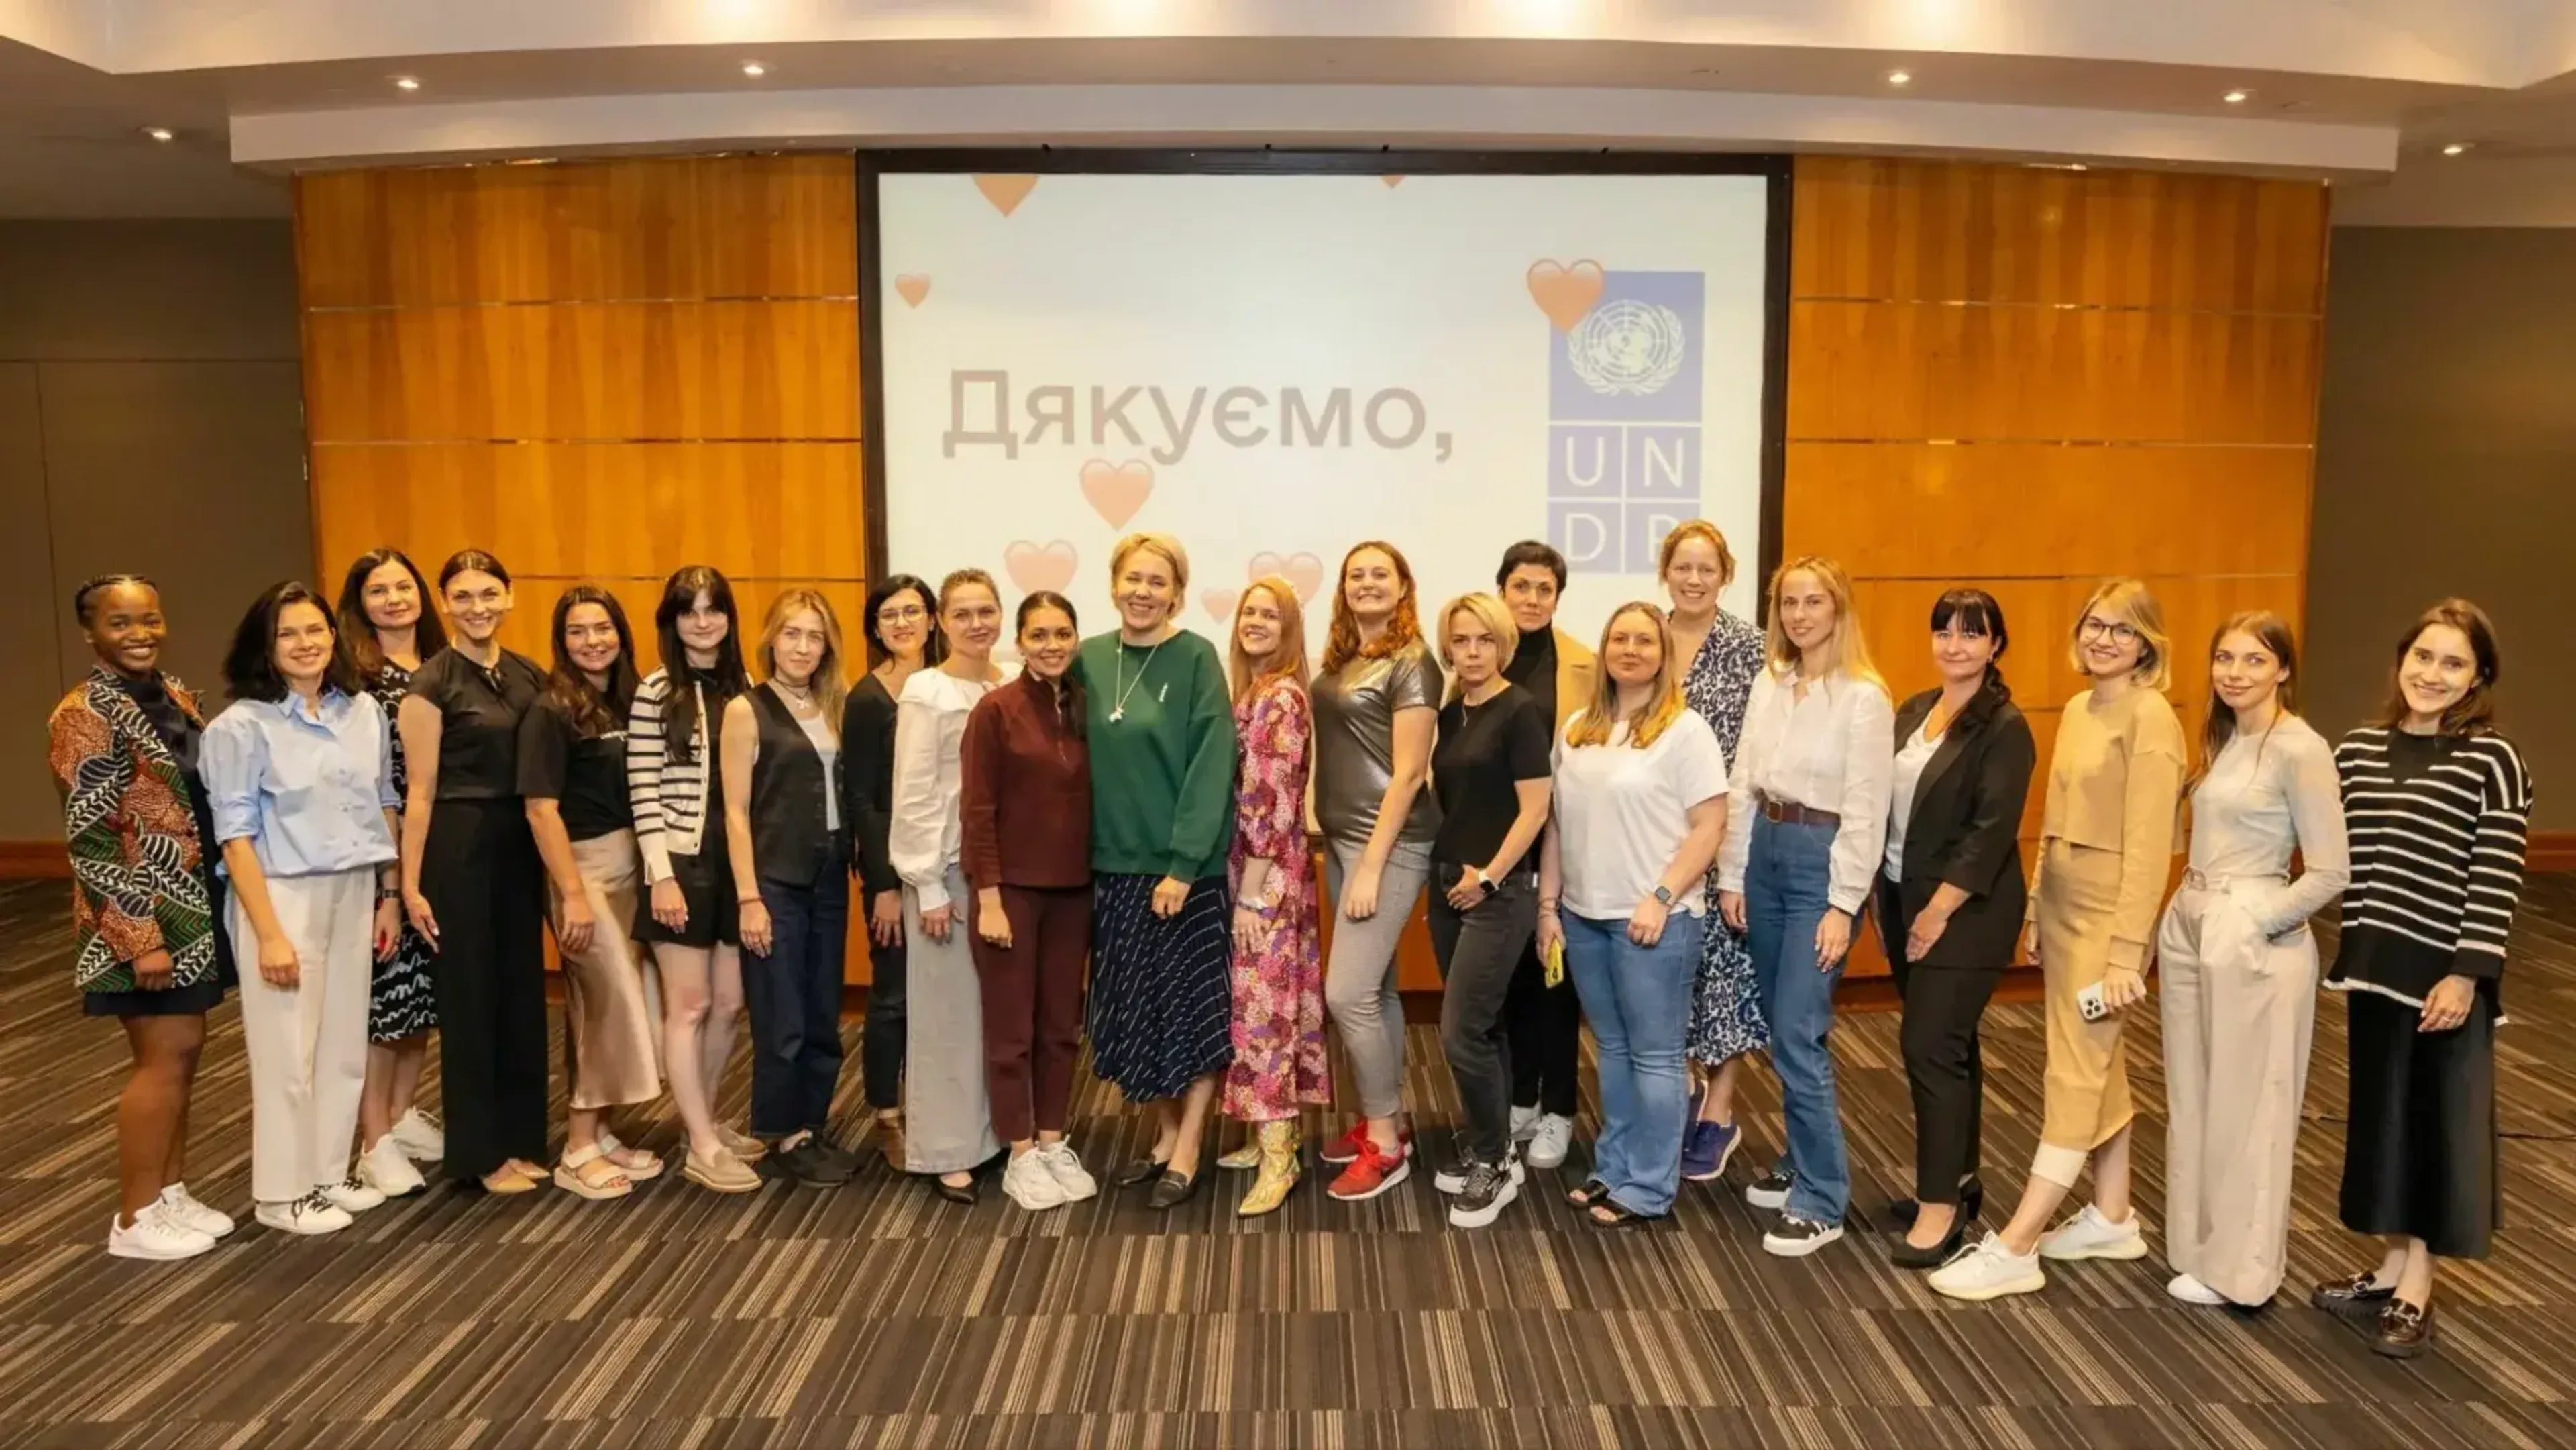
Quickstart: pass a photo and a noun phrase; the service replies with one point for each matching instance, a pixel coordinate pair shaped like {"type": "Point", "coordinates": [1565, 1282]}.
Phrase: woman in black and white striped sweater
{"type": "Point", "coordinates": [673, 745]}
{"type": "Point", "coordinates": [2437, 805]}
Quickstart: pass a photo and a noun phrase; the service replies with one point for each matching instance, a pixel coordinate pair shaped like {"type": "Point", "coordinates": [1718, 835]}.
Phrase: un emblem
{"type": "Point", "coordinates": [1627, 346]}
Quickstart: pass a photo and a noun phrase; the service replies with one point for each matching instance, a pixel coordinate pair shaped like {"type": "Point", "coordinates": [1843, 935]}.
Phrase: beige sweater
{"type": "Point", "coordinates": [2114, 784]}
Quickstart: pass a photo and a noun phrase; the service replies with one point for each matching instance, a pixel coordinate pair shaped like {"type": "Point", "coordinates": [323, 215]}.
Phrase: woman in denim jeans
{"type": "Point", "coordinates": [1807, 807]}
{"type": "Point", "coordinates": [1640, 807]}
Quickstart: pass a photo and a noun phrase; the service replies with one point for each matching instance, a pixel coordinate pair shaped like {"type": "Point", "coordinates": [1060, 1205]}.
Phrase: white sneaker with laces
{"type": "Point", "coordinates": [1552, 1135]}
{"type": "Point", "coordinates": [1989, 1271]}
{"type": "Point", "coordinates": [2088, 1235]}
{"type": "Point", "coordinates": [350, 1196]}
{"type": "Point", "coordinates": [311, 1214]}
{"type": "Point", "coordinates": [1524, 1123]}
{"type": "Point", "coordinates": [419, 1138]}
{"type": "Point", "coordinates": [1065, 1167]}
{"type": "Point", "coordinates": [1028, 1183]}
{"type": "Point", "coordinates": [182, 1205]}
{"type": "Point", "coordinates": [2191, 1291]}
{"type": "Point", "coordinates": [156, 1235]}
{"type": "Point", "coordinates": [385, 1169]}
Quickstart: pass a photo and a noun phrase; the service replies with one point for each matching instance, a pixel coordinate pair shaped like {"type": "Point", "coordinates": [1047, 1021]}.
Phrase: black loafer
{"type": "Point", "coordinates": [1140, 1172]}
{"type": "Point", "coordinates": [1172, 1190]}
{"type": "Point", "coordinates": [2359, 1298]}
{"type": "Point", "coordinates": [966, 1193]}
{"type": "Point", "coordinates": [1906, 1256]}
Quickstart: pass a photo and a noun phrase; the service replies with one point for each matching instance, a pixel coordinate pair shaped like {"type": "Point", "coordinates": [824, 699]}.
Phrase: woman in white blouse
{"type": "Point", "coordinates": [2240, 968]}
{"type": "Point", "coordinates": [948, 1121]}
{"type": "Point", "coordinates": [1806, 828]}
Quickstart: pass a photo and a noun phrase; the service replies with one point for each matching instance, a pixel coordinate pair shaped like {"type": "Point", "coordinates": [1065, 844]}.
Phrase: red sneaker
{"type": "Point", "coordinates": [1346, 1148]}
{"type": "Point", "coordinates": [1370, 1174]}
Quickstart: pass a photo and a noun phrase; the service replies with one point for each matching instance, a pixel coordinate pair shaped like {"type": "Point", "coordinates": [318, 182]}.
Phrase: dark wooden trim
{"type": "Point", "coordinates": [43, 860]}
{"type": "Point", "coordinates": [2550, 851]}
{"type": "Point", "coordinates": [872, 467]}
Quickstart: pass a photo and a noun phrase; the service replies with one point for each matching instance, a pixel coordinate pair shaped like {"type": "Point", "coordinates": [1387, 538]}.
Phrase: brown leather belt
{"type": "Point", "coordinates": [1790, 813]}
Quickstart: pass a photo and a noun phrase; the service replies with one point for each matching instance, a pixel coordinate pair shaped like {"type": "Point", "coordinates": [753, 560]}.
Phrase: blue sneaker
{"type": "Point", "coordinates": [1707, 1149]}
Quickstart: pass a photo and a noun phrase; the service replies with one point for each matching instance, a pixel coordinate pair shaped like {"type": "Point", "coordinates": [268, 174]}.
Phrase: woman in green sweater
{"type": "Point", "coordinates": [1162, 818]}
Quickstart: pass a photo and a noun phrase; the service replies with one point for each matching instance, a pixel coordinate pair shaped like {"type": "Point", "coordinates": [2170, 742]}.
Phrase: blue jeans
{"type": "Point", "coordinates": [794, 994]}
{"type": "Point", "coordinates": [1785, 881]}
{"type": "Point", "coordinates": [1638, 1001]}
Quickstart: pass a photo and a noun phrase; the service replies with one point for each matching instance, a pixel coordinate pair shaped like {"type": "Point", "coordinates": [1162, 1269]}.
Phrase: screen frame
{"type": "Point", "coordinates": [1775, 169]}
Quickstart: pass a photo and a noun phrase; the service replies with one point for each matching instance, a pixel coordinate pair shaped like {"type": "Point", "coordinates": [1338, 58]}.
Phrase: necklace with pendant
{"type": "Point", "coordinates": [1125, 686]}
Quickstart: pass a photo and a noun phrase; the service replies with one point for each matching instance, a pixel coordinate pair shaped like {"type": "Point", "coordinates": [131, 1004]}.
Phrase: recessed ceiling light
{"type": "Point", "coordinates": [2235, 98]}
{"type": "Point", "coordinates": [408, 83]}
{"type": "Point", "coordinates": [754, 69]}
{"type": "Point", "coordinates": [2455, 148]}
{"type": "Point", "coordinates": [159, 133]}
{"type": "Point", "coordinates": [1898, 77]}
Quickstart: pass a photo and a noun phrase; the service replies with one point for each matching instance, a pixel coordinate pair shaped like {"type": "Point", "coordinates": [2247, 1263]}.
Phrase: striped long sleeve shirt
{"type": "Point", "coordinates": [2437, 825]}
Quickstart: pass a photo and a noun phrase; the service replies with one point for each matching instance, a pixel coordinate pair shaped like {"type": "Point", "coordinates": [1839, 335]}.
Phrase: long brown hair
{"type": "Point", "coordinates": [358, 644]}
{"type": "Point", "coordinates": [2273, 633]}
{"type": "Point", "coordinates": [1288, 661]}
{"type": "Point", "coordinates": [2475, 712]}
{"type": "Point", "coordinates": [1403, 626]}
{"type": "Point", "coordinates": [593, 712]}
{"type": "Point", "coordinates": [1662, 708]}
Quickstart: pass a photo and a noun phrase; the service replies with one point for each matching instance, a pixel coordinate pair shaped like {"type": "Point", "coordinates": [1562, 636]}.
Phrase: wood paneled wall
{"type": "Point", "coordinates": [597, 371]}
{"type": "Point", "coordinates": [2030, 379]}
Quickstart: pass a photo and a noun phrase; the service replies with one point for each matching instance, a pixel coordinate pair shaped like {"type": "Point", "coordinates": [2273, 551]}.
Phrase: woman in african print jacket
{"type": "Point", "coordinates": [123, 749]}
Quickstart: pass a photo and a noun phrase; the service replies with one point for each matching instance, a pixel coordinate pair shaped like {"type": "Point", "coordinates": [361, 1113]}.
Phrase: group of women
{"type": "Point", "coordinates": [1673, 838]}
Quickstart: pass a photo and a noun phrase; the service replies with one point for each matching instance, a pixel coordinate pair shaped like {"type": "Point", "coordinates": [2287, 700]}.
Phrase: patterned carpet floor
{"type": "Point", "coordinates": [876, 1315]}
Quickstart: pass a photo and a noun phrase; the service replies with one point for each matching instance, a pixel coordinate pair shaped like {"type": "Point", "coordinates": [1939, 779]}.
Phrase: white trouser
{"type": "Point", "coordinates": [307, 1043]}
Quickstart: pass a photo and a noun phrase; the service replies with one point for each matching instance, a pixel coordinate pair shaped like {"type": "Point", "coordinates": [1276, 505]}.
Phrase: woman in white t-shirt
{"type": "Point", "coordinates": [1640, 807]}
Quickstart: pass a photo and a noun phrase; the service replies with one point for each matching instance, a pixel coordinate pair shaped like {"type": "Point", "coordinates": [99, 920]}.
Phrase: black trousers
{"type": "Point", "coordinates": [486, 887]}
{"type": "Point", "coordinates": [1479, 951]}
{"type": "Point", "coordinates": [881, 1041]}
{"type": "Point", "coordinates": [1544, 1025]}
{"type": "Point", "coordinates": [1944, 1066]}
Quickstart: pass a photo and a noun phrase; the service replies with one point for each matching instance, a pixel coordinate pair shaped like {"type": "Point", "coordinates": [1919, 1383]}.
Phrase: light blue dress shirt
{"type": "Point", "coordinates": [309, 791]}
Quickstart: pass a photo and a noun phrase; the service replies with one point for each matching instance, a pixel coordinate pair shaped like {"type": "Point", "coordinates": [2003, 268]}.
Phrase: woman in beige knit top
{"type": "Point", "coordinates": [2106, 851]}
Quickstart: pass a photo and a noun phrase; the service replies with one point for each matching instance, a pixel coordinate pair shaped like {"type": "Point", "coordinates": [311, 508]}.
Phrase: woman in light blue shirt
{"type": "Point", "coordinates": [299, 771]}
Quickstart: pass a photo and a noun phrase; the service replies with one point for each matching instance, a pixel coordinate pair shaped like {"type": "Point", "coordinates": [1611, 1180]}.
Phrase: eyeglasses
{"type": "Point", "coordinates": [2096, 627]}
{"type": "Point", "coordinates": [904, 614]}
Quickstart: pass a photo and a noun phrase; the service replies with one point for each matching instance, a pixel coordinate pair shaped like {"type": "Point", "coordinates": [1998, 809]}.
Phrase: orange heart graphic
{"type": "Point", "coordinates": [1391, 182]}
{"type": "Point", "coordinates": [1116, 491]}
{"type": "Point", "coordinates": [1033, 567]}
{"type": "Point", "coordinates": [1220, 602]}
{"type": "Point", "coordinates": [1565, 293]}
{"type": "Point", "coordinates": [912, 287]}
{"type": "Point", "coordinates": [1006, 192]}
{"type": "Point", "coordinates": [1304, 572]}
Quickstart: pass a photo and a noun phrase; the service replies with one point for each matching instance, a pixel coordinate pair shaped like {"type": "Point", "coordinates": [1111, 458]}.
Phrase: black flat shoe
{"type": "Point", "coordinates": [1972, 1200]}
{"type": "Point", "coordinates": [1140, 1172]}
{"type": "Point", "coordinates": [1907, 1256]}
{"type": "Point", "coordinates": [2360, 1298]}
{"type": "Point", "coordinates": [1172, 1190]}
{"type": "Point", "coordinates": [966, 1193]}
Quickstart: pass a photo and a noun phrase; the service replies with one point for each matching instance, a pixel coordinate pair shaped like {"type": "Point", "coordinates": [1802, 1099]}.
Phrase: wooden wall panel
{"type": "Point", "coordinates": [2028, 380]}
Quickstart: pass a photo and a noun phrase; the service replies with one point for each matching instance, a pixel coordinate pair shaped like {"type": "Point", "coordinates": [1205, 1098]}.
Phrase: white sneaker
{"type": "Point", "coordinates": [1549, 1139]}
{"type": "Point", "coordinates": [1989, 1271]}
{"type": "Point", "coordinates": [1065, 1167]}
{"type": "Point", "coordinates": [2191, 1291]}
{"type": "Point", "coordinates": [419, 1138]}
{"type": "Point", "coordinates": [156, 1235]}
{"type": "Point", "coordinates": [311, 1214]}
{"type": "Point", "coordinates": [182, 1205]}
{"type": "Point", "coordinates": [1524, 1122]}
{"type": "Point", "coordinates": [1028, 1183]}
{"type": "Point", "coordinates": [350, 1196]}
{"type": "Point", "coordinates": [385, 1169]}
{"type": "Point", "coordinates": [2088, 1235]}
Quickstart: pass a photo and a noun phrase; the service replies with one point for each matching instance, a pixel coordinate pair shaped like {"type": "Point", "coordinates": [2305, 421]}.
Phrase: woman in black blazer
{"type": "Point", "coordinates": [1950, 904]}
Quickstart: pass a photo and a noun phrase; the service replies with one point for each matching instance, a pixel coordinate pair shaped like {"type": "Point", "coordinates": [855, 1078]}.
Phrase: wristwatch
{"type": "Point", "coordinates": [1663, 894]}
{"type": "Point", "coordinates": [1484, 883]}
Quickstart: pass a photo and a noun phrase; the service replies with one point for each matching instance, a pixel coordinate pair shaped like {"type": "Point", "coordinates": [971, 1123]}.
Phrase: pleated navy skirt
{"type": "Point", "coordinates": [1162, 1000]}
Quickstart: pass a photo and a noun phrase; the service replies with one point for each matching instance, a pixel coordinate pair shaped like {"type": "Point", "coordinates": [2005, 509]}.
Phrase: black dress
{"type": "Point", "coordinates": [400, 1002]}
{"type": "Point", "coordinates": [486, 888]}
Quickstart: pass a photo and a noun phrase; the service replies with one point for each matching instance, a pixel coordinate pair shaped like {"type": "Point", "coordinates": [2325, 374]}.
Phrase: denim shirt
{"type": "Point", "coordinates": [309, 791]}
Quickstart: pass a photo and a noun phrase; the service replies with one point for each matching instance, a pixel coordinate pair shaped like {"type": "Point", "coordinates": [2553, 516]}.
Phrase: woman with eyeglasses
{"type": "Point", "coordinates": [2106, 849]}
{"type": "Point", "coordinates": [903, 639]}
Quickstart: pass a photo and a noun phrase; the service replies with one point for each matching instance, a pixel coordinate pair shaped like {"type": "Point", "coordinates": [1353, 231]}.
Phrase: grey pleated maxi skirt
{"type": "Point", "coordinates": [947, 1117]}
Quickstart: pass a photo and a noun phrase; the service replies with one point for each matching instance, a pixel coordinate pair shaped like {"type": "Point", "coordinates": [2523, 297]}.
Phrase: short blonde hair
{"type": "Point", "coordinates": [1494, 616]}
{"type": "Point", "coordinates": [1705, 532]}
{"type": "Point", "coordinates": [2127, 601]}
{"type": "Point", "coordinates": [1164, 546]}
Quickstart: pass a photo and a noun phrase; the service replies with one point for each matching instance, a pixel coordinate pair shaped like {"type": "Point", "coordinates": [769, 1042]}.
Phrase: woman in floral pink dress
{"type": "Point", "coordinates": [1279, 1065]}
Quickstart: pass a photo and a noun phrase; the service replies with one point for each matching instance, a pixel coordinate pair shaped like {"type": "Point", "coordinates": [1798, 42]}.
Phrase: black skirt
{"type": "Point", "coordinates": [2419, 1154]}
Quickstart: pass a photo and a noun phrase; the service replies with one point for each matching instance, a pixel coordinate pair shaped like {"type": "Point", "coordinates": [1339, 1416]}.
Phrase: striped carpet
{"type": "Point", "coordinates": [876, 1315]}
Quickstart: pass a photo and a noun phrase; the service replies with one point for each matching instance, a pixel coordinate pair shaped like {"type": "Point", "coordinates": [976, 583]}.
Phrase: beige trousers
{"type": "Point", "coordinates": [2239, 1013]}
{"type": "Point", "coordinates": [612, 1030]}
{"type": "Point", "coordinates": [2086, 1097]}
{"type": "Point", "coordinates": [307, 1044]}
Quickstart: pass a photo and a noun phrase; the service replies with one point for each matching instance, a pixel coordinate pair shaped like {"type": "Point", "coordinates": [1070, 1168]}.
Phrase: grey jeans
{"type": "Point", "coordinates": [1359, 979]}
{"type": "Point", "coordinates": [1479, 950]}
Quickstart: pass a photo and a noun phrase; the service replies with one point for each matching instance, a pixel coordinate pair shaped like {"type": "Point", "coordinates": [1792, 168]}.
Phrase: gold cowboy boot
{"type": "Point", "coordinates": [1280, 1169]}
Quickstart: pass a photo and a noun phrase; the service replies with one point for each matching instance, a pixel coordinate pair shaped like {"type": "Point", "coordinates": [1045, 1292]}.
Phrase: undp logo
{"type": "Point", "coordinates": [1624, 412]}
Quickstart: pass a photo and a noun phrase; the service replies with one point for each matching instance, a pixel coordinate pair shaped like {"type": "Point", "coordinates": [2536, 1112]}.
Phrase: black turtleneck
{"type": "Point", "coordinates": [1533, 668]}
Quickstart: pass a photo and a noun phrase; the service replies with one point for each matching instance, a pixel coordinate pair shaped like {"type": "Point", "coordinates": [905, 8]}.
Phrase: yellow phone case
{"type": "Point", "coordinates": [1554, 962]}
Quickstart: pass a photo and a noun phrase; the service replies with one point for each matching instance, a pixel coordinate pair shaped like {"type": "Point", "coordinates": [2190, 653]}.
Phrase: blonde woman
{"type": "Point", "coordinates": [1490, 770]}
{"type": "Point", "coordinates": [1375, 701]}
{"type": "Point", "coordinates": [1279, 1065]}
{"type": "Point", "coordinates": [2106, 846]}
{"type": "Point", "coordinates": [1806, 833]}
{"type": "Point", "coordinates": [1640, 807]}
{"type": "Point", "coordinates": [1162, 821]}
{"type": "Point", "coordinates": [789, 850]}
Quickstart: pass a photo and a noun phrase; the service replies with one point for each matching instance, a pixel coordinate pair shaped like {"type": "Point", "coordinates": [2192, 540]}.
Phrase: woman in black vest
{"type": "Point", "coordinates": [1950, 900]}
{"type": "Point", "coordinates": [790, 852]}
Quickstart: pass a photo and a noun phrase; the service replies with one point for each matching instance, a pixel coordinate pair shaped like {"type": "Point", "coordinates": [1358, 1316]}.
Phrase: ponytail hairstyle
{"type": "Point", "coordinates": [593, 713]}
{"type": "Point", "coordinates": [1068, 686]}
{"type": "Point", "coordinates": [680, 710]}
{"type": "Point", "coordinates": [93, 584]}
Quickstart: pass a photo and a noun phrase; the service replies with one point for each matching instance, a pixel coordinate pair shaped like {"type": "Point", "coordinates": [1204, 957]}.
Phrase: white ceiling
{"type": "Point", "coordinates": [2363, 91]}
